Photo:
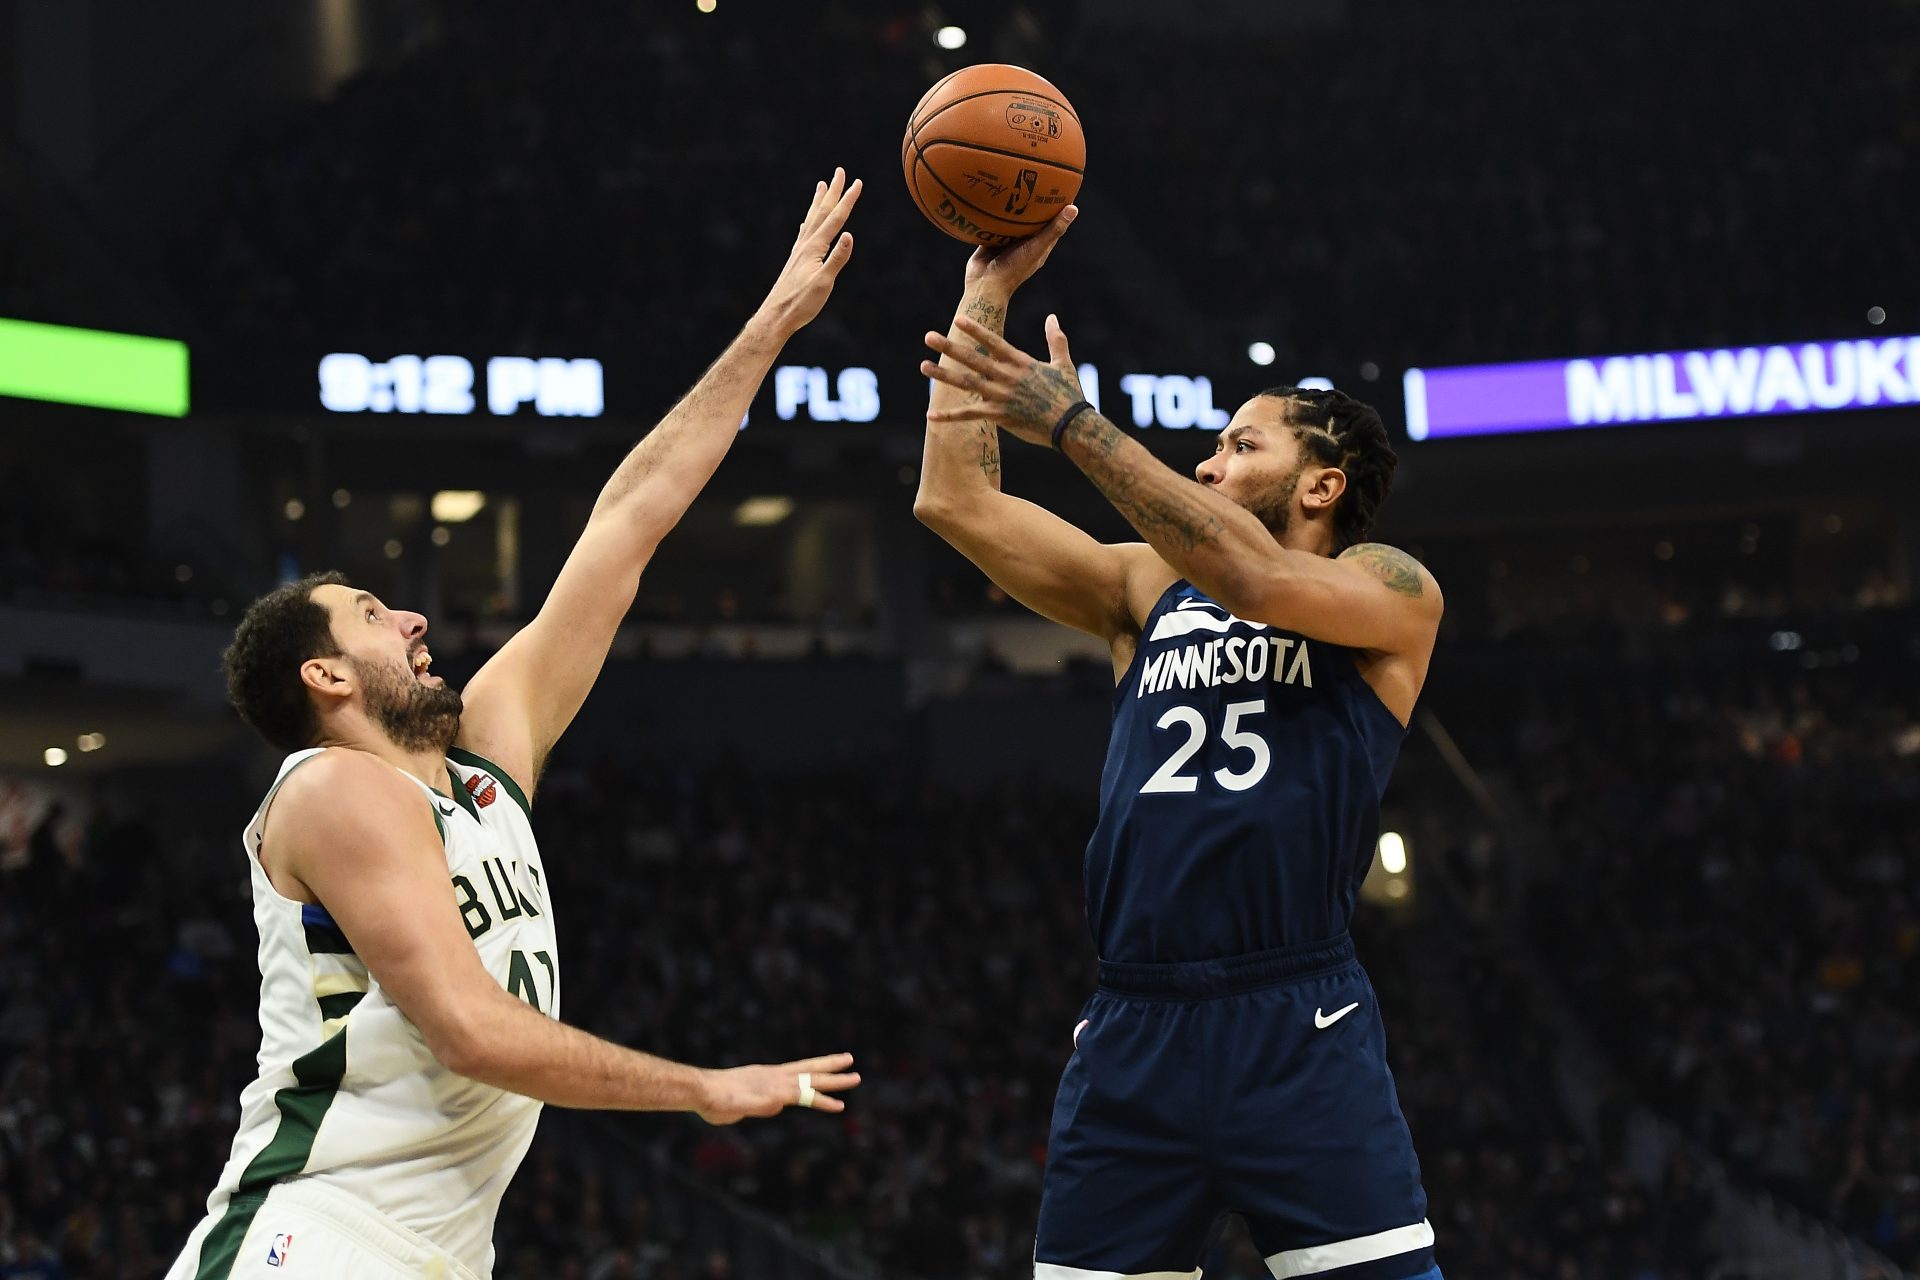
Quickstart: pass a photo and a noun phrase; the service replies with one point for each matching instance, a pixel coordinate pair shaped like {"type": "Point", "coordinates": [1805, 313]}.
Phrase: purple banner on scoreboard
{"type": "Point", "coordinates": [1667, 386]}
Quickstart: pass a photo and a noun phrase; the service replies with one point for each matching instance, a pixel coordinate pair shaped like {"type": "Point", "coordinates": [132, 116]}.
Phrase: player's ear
{"type": "Point", "coordinates": [1321, 487]}
{"type": "Point", "coordinates": [329, 677]}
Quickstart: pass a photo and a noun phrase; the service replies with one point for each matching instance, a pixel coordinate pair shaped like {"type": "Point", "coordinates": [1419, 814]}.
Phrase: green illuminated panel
{"type": "Point", "coordinates": [93, 367]}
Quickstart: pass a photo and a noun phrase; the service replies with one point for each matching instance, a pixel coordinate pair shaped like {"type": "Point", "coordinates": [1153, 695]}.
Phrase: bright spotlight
{"type": "Point", "coordinates": [452, 506]}
{"type": "Point", "coordinates": [706, 6]}
{"type": "Point", "coordinates": [1393, 853]}
{"type": "Point", "coordinates": [55, 757]}
{"type": "Point", "coordinates": [950, 37]}
{"type": "Point", "coordinates": [756, 512]}
{"type": "Point", "coordinates": [1260, 353]}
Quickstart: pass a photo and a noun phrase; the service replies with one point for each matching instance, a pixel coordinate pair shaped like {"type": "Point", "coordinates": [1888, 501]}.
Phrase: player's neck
{"type": "Point", "coordinates": [1309, 536]}
{"type": "Point", "coordinates": [428, 766]}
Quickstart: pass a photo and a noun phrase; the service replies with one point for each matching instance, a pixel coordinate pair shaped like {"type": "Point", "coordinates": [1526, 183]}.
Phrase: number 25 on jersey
{"type": "Point", "coordinates": [1168, 777]}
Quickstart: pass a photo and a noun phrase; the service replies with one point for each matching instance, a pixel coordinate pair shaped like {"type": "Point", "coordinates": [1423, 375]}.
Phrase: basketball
{"type": "Point", "coordinates": [992, 152]}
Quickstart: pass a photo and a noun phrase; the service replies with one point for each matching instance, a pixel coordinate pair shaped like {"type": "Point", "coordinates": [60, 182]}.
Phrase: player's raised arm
{"type": "Point", "coordinates": [523, 699]}
{"type": "Point", "coordinates": [377, 868]}
{"type": "Point", "coordinates": [1033, 555]}
{"type": "Point", "coordinates": [1371, 597]}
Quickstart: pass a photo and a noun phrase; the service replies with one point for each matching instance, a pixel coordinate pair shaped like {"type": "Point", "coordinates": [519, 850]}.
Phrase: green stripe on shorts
{"type": "Point", "coordinates": [302, 1107]}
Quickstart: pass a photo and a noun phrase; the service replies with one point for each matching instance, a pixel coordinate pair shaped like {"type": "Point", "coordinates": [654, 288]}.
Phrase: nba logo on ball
{"type": "Point", "coordinates": [278, 1250]}
{"type": "Point", "coordinates": [1022, 191]}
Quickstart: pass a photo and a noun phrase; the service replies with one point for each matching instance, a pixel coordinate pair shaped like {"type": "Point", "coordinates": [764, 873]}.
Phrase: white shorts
{"type": "Point", "coordinates": [302, 1230]}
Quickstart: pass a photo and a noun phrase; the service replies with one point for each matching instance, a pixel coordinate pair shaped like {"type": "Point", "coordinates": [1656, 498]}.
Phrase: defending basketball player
{"type": "Point", "coordinates": [1268, 659]}
{"type": "Point", "coordinates": [410, 981]}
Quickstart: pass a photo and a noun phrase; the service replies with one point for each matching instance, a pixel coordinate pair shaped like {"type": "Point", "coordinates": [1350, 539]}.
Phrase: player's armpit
{"type": "Point", "coordinates": [1372, 597]}
{"type": "Point", "coordinates": [1047, 564]}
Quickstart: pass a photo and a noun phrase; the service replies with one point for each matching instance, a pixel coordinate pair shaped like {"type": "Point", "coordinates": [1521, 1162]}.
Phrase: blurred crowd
{"type": "Point", "coordinates": [719, 917]}
{"type": "Point", "coordinates": [1500, 180]}
{"type": "Point", "coordinates": [1407, 182]}
{"type": "Point", "coordinates": [629, 184]}
{"type": "Point", "coordinates": [1728, 879]}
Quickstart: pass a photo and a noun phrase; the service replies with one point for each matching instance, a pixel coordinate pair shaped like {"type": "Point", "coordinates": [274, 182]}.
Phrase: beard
{"type": "Point", "coordinates": [417, 717]}
{"type": "Point", "coordinates": [1273, 507]}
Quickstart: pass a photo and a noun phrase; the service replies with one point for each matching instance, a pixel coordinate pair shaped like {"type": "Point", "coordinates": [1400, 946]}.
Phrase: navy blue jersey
{"type": "Point", "coordinates": [1240, 802]}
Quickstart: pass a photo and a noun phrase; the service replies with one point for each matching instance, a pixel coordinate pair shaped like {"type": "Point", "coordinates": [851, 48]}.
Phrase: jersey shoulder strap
{"type": "Point", "coordinates": [251, 837]}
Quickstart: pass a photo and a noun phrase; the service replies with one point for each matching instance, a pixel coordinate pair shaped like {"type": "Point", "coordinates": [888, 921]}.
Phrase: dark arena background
{"type": "Point", "coordinates": [391, 287]}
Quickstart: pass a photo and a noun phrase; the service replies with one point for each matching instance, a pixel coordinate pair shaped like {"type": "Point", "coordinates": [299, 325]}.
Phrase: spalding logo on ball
{"type": "Point", "coordinates": [992, 153]}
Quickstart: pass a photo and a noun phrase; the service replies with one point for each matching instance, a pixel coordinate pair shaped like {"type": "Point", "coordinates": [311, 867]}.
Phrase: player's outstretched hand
{"type": "Point", "coordinates": [1009, 386]}
{"type": "Point", "coordinates": [739, 1092]}
{"type": "Point", "coordinates": [819, 251]}
{"type": "Point", "coordinates": [1000, 271]}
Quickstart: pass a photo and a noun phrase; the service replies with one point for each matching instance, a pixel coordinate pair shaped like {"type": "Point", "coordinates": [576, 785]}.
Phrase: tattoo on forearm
{"type": "Point", "coordinates": [989, 450]}
{"type": "Point", "coordinates": [1179, 517]}
{"type": "Point", "coordinates": [991, 314]}
{"type": "Point", "coordinates": [988, 313]}
{"type": "Point", "coordinates": [1400, 571]}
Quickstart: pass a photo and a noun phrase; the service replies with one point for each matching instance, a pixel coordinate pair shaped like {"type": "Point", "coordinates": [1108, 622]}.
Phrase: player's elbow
{"type": "Point", "coordinates": [937, 511]}
{"type": "Point", "coordinates": [948, 508]}
{"type": "Point", "coordinates": [457, 1038]}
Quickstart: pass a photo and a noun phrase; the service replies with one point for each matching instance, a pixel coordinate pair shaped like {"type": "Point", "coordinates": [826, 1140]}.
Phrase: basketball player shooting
{"type": "Point", "coordinates": [409, 977]}
{"type": "Point", "coordinates": [1268, 659]}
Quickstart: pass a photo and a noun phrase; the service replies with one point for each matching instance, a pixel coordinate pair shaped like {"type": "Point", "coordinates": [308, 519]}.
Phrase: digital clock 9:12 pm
{"type": "Point", "coordinates": [556, 388]}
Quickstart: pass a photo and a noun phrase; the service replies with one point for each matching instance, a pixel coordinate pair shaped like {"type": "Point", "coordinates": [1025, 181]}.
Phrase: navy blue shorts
{"type": "Point", "coordinates": [1256, 1085]}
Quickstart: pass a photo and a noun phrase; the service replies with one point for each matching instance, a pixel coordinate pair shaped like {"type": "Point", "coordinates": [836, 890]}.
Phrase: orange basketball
{"type": "Point", "coordinates": [992, 153]}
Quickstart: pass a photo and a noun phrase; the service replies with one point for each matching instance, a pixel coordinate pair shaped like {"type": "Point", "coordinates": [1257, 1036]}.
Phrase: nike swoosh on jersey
{"type": "Point", "coordinates": [1325, 1020]}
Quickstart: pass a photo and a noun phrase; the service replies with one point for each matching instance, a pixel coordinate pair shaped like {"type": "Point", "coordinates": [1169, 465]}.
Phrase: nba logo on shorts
{"type": "Point", "coordinates": [277, 1251]}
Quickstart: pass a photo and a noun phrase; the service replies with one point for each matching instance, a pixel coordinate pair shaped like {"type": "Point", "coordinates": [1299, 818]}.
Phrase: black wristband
{"type": "Point", "coordinates": [1074, 410]}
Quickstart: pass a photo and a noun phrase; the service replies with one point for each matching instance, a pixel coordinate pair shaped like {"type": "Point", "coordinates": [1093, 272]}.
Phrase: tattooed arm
{"type": "Point", "coordinates": [964, 457]}
{"type": "Point", "coordinates": [1372, 597]}
{"type": "Point", "coordinates": [1040, 560]}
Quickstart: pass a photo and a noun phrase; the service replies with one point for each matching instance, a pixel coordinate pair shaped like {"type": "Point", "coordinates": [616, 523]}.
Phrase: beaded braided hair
{"type": "Point", "coordinates": [1335, 430]}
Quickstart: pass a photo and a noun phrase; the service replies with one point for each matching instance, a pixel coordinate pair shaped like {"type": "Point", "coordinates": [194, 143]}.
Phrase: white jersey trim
{"type": "Point", "coordinates": [1290, 1263]}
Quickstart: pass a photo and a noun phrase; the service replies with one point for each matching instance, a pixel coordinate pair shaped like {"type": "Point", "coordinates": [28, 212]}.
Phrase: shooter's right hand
{"type": "Point", "coordinates": [998, 272]}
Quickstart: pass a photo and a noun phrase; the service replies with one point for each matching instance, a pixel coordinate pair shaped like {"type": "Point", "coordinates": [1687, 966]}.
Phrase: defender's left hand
{"type": "Point", "coordinates": [819, 252]}
{"type": "Point", "coordinates": [1008, 386]}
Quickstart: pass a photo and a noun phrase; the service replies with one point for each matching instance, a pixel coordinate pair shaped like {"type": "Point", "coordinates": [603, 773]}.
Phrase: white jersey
{"type": "Point", "coordinates": [349, 1096]}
